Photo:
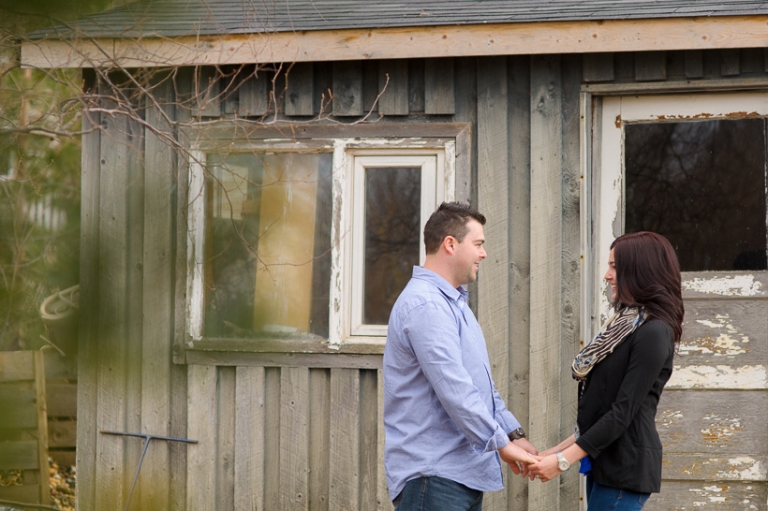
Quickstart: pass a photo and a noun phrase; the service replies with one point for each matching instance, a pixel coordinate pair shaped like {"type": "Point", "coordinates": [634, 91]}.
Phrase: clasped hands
{"type": "Point", "coordinates": [525, 460]}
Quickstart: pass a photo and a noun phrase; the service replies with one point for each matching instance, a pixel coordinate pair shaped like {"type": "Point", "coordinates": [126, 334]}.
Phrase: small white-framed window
{"type": "Point", "coordinates": [307, 241]}
{"type": "Point", "coordinates": [392, 198]}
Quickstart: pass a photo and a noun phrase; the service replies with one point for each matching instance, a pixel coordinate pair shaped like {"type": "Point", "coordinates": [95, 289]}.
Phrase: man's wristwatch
{"type": "Point", "coordinates": [516, 434]}
{"type": "Point", "coordinates": [562, 463]}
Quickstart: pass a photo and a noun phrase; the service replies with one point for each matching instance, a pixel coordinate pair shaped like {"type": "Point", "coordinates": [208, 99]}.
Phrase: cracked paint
{"type": "Point", "coordinates": [744, 468]}
{"type": "Point", "coordinates": [737, 285]}
{"type": "Point", "coordinates": [720, 430]}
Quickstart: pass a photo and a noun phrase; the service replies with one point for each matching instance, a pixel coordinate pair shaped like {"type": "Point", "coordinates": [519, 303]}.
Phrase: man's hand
{"type": "Point", "coordinates": [512, 454]}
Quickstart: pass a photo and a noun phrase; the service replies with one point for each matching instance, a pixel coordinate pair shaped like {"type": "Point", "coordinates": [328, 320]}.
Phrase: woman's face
{"type": "Point", "coordinates": [610, 277]}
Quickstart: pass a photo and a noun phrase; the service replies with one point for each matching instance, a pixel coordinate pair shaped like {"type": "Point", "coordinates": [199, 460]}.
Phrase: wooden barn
{"type": "Point", "coordinates": [255, 176]}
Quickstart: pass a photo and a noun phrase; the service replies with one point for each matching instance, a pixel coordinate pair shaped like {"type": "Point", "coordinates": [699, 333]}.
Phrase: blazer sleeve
{"type": "Point", "coordinates": [651, 345]}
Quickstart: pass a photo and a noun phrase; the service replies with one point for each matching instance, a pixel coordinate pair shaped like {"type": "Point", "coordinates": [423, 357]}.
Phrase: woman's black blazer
{"type": "Point", "coordinates": [617, 410]}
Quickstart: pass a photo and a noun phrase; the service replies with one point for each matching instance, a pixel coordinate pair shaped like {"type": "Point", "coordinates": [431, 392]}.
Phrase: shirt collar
{"type": "Point", "coordinates": [458, 295]}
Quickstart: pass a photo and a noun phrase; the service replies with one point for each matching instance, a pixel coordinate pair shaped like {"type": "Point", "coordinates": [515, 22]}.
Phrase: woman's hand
{"type": "Point", "coordinates": [545, 469]}
{"type": "Point", "coordinates": [512, 454]}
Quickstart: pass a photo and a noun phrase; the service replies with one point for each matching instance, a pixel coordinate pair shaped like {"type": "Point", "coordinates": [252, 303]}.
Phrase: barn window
{"type": "Point", "coordinates": [306, 244]}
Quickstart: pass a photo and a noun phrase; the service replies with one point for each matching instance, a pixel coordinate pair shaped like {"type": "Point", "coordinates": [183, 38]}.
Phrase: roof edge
{"type": "Point", "coordinates": [412, 42]}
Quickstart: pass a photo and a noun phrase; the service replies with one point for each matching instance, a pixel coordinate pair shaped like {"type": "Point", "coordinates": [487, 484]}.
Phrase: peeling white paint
{"type": "Point", "coordinates": [719, 377]}
{"type": "Point", "coordinates": [668, 417]}
{"type": "Point", "coordinates": [737, 285]}
{"type": "Point", "coordinates": [744, 468]}
{"type": "Point", "coordinates": [728, 342]}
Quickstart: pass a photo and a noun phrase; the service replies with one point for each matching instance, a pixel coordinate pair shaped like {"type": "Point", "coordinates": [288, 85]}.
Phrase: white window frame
{"type": "Point", "coordinates": [347, 251]}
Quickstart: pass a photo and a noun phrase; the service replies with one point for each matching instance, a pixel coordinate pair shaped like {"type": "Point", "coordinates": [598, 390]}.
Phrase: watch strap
{"type": "Point", "coordinates": [516, 434]}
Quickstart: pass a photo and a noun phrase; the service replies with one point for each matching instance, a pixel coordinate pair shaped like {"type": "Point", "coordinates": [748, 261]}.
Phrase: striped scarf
{"type": "Point", "coordinates": [615, 330]}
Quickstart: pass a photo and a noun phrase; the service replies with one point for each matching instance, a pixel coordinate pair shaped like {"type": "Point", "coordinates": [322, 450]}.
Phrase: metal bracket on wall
{"type": "Point", "coordinates": [147, 438]}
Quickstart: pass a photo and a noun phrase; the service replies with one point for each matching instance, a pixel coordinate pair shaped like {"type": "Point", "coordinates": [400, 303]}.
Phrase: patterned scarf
{"type": "Point", "coordinates": [615, 330]}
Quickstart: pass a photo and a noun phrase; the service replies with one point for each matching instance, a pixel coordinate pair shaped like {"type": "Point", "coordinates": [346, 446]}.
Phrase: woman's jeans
{"type": "Point", "coordinates": [605, 498]}
{"type": "Point", "coordinates": [437, 494]}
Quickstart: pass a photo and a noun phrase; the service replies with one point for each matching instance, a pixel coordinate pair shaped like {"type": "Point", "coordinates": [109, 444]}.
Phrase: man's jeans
{"type": "Point", "coordinates": [603, 498]}
{"type": "Point", "coordinates": [437, 494]}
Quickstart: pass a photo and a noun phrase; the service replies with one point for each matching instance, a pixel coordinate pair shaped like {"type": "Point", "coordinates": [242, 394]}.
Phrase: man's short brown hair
{"type": "Point", "coordinates": [450, 219]}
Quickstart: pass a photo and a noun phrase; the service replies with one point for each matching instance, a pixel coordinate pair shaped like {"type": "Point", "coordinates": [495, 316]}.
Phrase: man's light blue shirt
{"type": "Point", "coordinates": [442, 414]}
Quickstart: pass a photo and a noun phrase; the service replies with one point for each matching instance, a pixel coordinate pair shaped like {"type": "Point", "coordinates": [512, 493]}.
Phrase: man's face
{"type": "Point", "coordinates": [468, 254]}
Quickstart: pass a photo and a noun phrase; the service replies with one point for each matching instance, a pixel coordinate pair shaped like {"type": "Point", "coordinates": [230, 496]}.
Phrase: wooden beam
{"type": "Point", "coordinates": [411, 42]}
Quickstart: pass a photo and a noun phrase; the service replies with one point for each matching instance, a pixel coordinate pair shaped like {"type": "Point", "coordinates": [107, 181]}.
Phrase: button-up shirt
{"type": "Point", "coordinates": [442, 414]}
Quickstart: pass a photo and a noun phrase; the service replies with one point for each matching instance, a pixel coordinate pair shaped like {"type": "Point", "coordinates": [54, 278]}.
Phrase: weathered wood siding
{"type": "Point", "coordinates": [304, 431]}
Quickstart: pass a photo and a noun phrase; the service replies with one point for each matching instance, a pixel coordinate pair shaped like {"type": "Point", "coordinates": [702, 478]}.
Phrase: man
{"type": "Point", "coordinates": [446, 426]}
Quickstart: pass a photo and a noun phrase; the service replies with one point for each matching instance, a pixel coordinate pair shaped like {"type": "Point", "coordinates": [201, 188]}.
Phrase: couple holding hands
{"type": "Point", "coordinates": [447, 428]}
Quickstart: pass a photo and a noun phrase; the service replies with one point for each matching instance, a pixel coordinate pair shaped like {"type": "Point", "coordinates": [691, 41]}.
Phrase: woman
{"type": "Point", "coordinates": [621, 375]}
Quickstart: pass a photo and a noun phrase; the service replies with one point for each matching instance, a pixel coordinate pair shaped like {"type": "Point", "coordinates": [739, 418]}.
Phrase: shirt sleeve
{"type": "Point", "coordinates": [504, 417]}
{"type": "Point", "coordinates": [434, 337]}
{"type": "Point", "coordinates": [648, 355]}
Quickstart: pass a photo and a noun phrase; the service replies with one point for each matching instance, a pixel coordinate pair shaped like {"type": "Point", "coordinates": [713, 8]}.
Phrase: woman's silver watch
{"type": "Point", "coordinates": [562, 463]}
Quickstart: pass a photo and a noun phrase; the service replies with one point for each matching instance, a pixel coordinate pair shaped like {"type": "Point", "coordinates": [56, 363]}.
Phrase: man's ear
{"type": "Point", "coordinates": [449, 244]}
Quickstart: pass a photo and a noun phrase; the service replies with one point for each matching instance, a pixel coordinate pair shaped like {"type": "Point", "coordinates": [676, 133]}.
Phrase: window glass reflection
{"type": "Point", "coordinates": [268, 245]}
{"type": "Point", "coordinates": [392, 224]}
{"type": "Point", "coordinates": [702, 185]}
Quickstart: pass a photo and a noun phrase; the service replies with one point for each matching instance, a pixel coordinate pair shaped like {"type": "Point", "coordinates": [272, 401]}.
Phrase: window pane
{"type": "Point", "coordinates": [392, 205]}
{"type": "Point", "coordinates": [702, 185]}
{"type": "Point", "coordinates": [268, 245]}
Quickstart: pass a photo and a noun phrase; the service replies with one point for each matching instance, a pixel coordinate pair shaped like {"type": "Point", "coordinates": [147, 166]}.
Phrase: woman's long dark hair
{"type": "Point", "coordinates": [648, 275]}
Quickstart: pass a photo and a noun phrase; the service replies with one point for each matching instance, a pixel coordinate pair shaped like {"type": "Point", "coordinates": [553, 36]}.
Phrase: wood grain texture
{"type": "Point", "coordinates": [249, 439]}
{"type": "Point", "coordinates": [439, 87]}
{"type": "Point", "coordinates": [694, 64]}
{"type": "Point", "coordinates": [546, 259]}
{"type": "Point", "coordinates": [570, 275]}
{"type": "Point", "coordinates": [393, 87]}
{"type": "Point", "coordinates": [157, 298]}
{"type": "Point", "coordinates": [650, 66]}
{"type": "Point", "coordinates": [294, 438]}
{"type": "Point", "coordinates": [344, 476]}
{"type": "Point", "coordinates": [225, 438]}
{"type": "Point", "coordinates": [88, 345]}
{"type": "Point", "coordinates": [598, 67]}
{"type": "Point", "coordinates": [201, 457]}
{"type": "Point", "coordinates": [300, 98]}
{"type": "Point", "coordinates": [112, 311]}
{"type": "Point", "coordinates": [493, 201]}
{"type": "Point", "coordinates": [272, 377]}
{"type": "Point", "coordinates": [710, 495]}
{"type": "Point", "coordinates": [253, 95]}
{"type": "Point", "coordinates": [730, 62]}
{"type": "Point", "coordinates": [319, 438]}
{"type": "Point", "coordinates": [347, 89]}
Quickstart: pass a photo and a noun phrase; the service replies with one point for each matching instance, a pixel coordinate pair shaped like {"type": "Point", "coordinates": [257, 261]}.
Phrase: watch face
{"type": "Point", "coordinates": [563, 465]}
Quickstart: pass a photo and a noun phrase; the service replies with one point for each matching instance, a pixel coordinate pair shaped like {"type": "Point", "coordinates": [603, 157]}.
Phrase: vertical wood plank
{"type": "Point", "coordinates": [570, 304]}
{"type": "Point", "coordinates": [370, 87]}
{"type": "Point", "coordinates": [42, 426]}
{"type": "Point", "coordinates": [439, 87]}
{"type": "Point", "coordinates": [249, 439]}
{"type": "Point", "coordinates": [466, 111]}
{"type": "Point", "coordinates": [253, 99]}
{"type": "Point", "coordinates": [416, 85]}
{"type": "Point", "coordinates": [202, 417]}
{"type": "Point", "coordinates": [493, 201]}
{"type": "Point", "coordinates": [319, 438]}
{"type": "Point", "coordinates": [113, 311]}
{"type": "Point", "coordinates": [294, 438]}
{"type": "Point", "coordinates": [393, 86]}
{"type": "Point", "coordinates": [519, 251]}
{"type": "Point", "coordinates": [272, 426]}
{"type": "Point", "coordinates": [157, 338]}
{"type": "Point", "coordinates": [344, 492]}
{"type": "Point", "coordinates": [382, 490]}
{"type": "Point", "coordinates": [347, 89]}
{"type": "Point", "coordinates": [598, 67]}
{"type": "Point", "coordinates": [88, 345]}
{"type": "Point", "coordinates": [694, 64]}
{"type": "Point", "coordinates": [179, 375]}
{"type": "Point", "coordinates": [650, 66]}
{"type": "Point", "coordinates": [300, 100]}
{"type": "Point", "coordinates": [225, 439]}
{"type": "Point", "coordinates": [133, 360]}
{"type": "Point", "coordinates": [730, 62]}
{"type": "Point", "coordinates": [369, 433]}
{"type": "Point", "coordinates": [546, 248]}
